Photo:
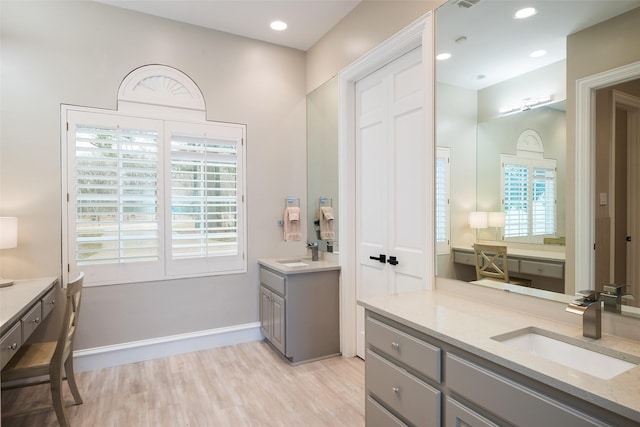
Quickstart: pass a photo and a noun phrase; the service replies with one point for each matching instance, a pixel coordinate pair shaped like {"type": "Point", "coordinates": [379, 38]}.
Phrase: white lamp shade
{"type": "Point", "coordinates": [496, 219]}
{"type": "Point", "coordinates": [478, 219]}
{"type": "Point", "coordinates": [8, 232]}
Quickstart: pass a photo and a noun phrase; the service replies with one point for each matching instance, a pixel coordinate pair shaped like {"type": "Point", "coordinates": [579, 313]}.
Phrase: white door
{"type": "Point", "coordinates": [391, 168]}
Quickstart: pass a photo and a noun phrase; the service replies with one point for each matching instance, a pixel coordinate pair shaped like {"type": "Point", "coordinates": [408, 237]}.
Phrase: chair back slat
{"type": "Point", "coordinates": [491, 262]}
{"type": "Point", "coordinates": [64, 346]}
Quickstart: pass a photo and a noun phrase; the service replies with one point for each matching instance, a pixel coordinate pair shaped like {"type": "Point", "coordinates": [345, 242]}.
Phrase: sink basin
{"type": "Point", "coordinates": [293, 262]}
{"type": "Point", "coordinates": [597, 361]}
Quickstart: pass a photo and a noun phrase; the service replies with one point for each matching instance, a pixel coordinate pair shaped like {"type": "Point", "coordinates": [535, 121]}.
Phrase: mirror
{"type": "Point", "coordinates": [322, 164]}
{"type": "Point", "coordinates": [490, 69]}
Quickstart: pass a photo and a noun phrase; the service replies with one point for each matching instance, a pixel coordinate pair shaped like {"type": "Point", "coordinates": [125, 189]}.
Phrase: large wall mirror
{"type": "Point", "coordinates": [501, 135]}
{"type": "Point", "coordinates": [322, 166]}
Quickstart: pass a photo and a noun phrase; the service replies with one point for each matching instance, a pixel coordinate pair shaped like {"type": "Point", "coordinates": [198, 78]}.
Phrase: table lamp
{"type": "Point", "coordinates": [496, 219]}
{"type": "Point", "coordinates": [8, 239]}
{"type": "Point", "coordinates": [478, 220]}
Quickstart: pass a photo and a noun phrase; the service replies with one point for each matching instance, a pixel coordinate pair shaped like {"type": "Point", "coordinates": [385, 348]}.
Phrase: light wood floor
{"type": "Point", "coordinates": [241, 385]}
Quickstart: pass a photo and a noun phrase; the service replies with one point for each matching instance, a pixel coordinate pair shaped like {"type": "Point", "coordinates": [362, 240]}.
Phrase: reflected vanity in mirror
{"type": "Point", "coordinates": [497, 94]}
{"type": "Point", "coordinates": [322, 166]}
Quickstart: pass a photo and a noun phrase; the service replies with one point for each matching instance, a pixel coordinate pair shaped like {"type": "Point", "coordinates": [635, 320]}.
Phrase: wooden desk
{"type": "Point", "coordinates": [23, 306]}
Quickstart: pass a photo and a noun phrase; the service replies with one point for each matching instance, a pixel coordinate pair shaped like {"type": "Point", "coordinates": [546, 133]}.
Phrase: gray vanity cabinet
{"type": "Point", "coordinates": [402, 377]}
{"type": "Point", "coordinates": [299, 313]}
{"type": "Point", "coordinates": [415, 379]}
{"type": "Point", "coordinates": [272, 317]}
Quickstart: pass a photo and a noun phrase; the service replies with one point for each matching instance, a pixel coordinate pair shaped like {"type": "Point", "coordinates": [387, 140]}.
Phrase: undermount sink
{"type": "Point", "coordinates": [293, 263]}
{"type": "Point", "coordinates": [570, 352]}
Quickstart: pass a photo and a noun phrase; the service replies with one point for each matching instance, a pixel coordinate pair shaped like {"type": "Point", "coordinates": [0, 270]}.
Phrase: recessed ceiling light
{"type": "Point", "coordinates": [525, 13]}
{"type": "Point", "coordinates": [278, 25]}
{"type": "Point", "coordinates": [538, 53]}
{"type": "Point", "coordinates": [443, 56]}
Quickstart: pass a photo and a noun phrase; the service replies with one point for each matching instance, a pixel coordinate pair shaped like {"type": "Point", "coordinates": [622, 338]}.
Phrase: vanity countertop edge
{"type": "Point", "coordinates": [469, 325]}
{"type": "Point", "coordinates": [311, 267]}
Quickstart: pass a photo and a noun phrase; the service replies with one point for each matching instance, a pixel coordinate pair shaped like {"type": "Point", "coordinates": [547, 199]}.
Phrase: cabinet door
{"type": "Point", "coordinates": [278, 314]}
{"type": "Point", "coordinates": [266, 316]}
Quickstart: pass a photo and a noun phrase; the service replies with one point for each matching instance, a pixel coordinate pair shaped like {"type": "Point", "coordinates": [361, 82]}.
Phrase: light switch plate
{"type": "Point", "coordinates": [603, 199]}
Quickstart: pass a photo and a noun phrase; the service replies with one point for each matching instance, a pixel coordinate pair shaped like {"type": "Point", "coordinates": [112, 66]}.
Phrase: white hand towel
{"type": "Point", "coordinates": [326, 223]}
{"type": "Point", "coordinates": [291, 224]}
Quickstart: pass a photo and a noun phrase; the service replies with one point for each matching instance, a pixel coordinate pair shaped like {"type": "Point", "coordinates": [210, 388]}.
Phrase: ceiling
{"type": "Point", "coordinates": [498, 46]}
{"type": "Point", "coordinates": [497, 55]}
{"type": "Point", "coordinates": [308, 20]}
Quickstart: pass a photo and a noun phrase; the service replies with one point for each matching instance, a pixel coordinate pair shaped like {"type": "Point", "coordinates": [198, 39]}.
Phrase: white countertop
{"type": "Point", "coordinates": [469, 324]}
{"type": "Point", "coordinates": [14, 298]}
{"type": "Point", "coordinates": [278, 264]}
{"type": "Point", "coordinates": [553, 255]}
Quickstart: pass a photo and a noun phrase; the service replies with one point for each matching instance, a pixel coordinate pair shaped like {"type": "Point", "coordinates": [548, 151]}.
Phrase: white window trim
{"type": "Point", "coordinates": [181, 103]}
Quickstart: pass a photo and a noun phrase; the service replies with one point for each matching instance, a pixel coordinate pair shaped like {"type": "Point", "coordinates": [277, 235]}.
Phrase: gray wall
{"type": "Point", "coordinates": [78, 52]}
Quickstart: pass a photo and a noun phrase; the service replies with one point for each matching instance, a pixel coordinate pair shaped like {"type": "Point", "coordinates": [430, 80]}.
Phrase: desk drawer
{"type": "Point", "coordinates": [31, 321]}
{"type": "Point", "coordinates": [539, 268]}
{"type": "Point", "coordinates": [405, 394]}
{"type": "Point", "coordinates": [417, 354]}
{"type": "Point", "coordinates": [464, 258]}
{"type": "Point", "coordinates": [10, 343]}
{"type": "Point", "coordinates": [48, 303]}
{"type": "Point", "coordinates": [272, 281]}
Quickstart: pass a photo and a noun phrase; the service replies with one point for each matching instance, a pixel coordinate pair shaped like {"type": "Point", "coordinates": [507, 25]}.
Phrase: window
{"type": "Point", "coordinates": [442, 205]}
{"type": "Point", "coordinates": [149, 197]}
{"type": "Point", "coordinates": [529, 198]}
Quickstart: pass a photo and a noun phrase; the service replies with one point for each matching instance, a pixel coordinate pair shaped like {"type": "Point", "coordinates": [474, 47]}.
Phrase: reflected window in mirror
{"type": "Point", "coordinates": [442, 202]}
{"type": "Point", "coordinates": [528, 190]}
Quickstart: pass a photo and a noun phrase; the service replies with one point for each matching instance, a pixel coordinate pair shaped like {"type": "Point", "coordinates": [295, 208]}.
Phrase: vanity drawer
{"type": "Point", "coordinates": [48, 303]}
{"type": "Point", "coordinates": [539, 268]}
{"type": "Point", "coordinates": [413, 352]}
{"type": "Point", "coordinates": [377, 416]}
{"type": "Point", "coordinates": [513, 402]}
{"type": "Point", "coordinates": [10, 343]}
{"type": "Point", "coordinates": [405, 394]}
{"type": "Point", "coordinates": [31, 321]}
{"type": "Point", "coordinates": [459, 415]}
{"type": "Point", "coordinates": [464, 258]}
{"type": "Point", "coordinates": [272, 281]}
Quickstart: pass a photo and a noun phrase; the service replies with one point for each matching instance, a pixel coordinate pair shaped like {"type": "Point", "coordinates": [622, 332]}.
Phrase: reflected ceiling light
{"type": "Point", "coordinates": [278, 25]}
{"type": "Point", "coordinates": [443, 56]}
{"type": "Point", "coordinates": [538, 53]}
{"type": "Point", "coordinates": [525, 13]}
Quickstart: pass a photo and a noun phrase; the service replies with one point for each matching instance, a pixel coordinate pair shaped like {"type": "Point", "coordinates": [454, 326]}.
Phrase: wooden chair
{"type": "Point", "coordinates": [491, 262]}
{"type": "Point", "coordinates": [49, 359]}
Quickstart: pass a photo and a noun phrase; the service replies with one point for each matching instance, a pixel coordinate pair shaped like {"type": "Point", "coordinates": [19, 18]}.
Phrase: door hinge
{"type": "Point", "coordinates": [67, 197]}
{"type": "Point", "coordinates": [68, 268]}
{"type": "Point", "coordinates": [67, 126]}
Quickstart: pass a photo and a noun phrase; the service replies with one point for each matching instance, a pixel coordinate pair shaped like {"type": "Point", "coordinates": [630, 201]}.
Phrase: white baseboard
{"type": "Point", "coordinates": [137, 351]}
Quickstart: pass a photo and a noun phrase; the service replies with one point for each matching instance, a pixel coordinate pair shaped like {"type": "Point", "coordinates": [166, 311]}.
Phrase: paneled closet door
{"type": "Point", "coordinates": [391, 168]}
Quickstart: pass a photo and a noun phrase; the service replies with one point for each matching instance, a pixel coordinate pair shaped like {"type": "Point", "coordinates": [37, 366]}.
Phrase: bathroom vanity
{"type": "Point", "coordinates": [439, 359]}
{"type": "Point", "coordinates": [299, 307]}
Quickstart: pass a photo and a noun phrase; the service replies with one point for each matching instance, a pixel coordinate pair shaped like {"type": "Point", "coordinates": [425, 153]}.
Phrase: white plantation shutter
{"type": "Point", "coordinates": [205, 164]}
{"type": "Point", "coordinates": [529, 198]}
{"type": "Point", "coordinates": [442, 204]}
{"type": "Point", "coordinates": [114, 197]}
{"type": "Point", "coordinates": [543, 201]}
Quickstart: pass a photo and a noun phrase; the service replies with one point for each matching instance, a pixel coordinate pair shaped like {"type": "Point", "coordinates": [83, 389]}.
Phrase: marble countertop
{"type": "Point", "coordinates": [296, 267]}
{"type": "Point", "coordinates": [469, 324]}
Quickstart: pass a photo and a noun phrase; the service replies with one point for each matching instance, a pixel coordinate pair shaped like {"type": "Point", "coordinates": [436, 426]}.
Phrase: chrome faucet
{"type": "Point", "coordinates": [590, 308]}
{"type": "Point", "coordinates": [612, 297]}
{"type": "Point", "coordinates": [314, 250]}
